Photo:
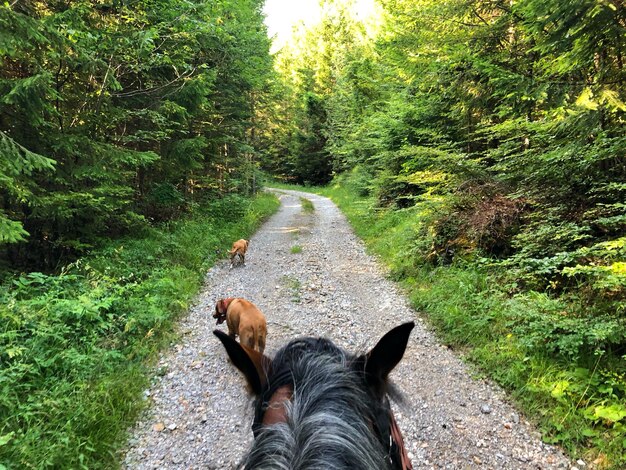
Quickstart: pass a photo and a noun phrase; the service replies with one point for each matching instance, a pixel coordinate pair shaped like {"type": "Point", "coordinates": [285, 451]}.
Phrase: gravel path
{"type": "Point", "coordinates": [200, 412]}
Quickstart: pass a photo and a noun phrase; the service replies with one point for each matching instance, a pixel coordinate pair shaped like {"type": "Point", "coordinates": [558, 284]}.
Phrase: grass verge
{"type": "Point", "coordinates": [75, 347]}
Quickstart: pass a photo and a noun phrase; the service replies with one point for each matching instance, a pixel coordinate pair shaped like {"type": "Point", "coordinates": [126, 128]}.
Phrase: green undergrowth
{"type": "Point", "coordinates": [560, 357]}
{"type": "Point", "coordinates": [75, 348]}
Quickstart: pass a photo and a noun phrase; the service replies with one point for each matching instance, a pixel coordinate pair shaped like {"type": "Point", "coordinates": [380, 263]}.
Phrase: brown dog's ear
{"type": "Point", "coordinates": [219, 306]}
{"type": "Point", "coordinates": [386, 355]}
{"type": "Point", "coordinates": [251, 363]}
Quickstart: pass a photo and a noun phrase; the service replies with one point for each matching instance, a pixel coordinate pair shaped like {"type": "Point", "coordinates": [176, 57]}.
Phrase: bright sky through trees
{"type": "Point", "coordinates": [283, 15]}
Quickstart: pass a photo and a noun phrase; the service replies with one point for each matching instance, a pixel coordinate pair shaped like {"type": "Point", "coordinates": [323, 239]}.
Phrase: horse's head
{"type": "Point", "coordinates": [319, 406]}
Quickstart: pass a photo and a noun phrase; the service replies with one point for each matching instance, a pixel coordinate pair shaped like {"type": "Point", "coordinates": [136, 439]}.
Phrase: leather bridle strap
{"type": "Point", "coordinates": [396, 437]}
{"type": "Point", "coordinates": [276, 411]}
{"type": "Point", "coordinates": [273, 409]}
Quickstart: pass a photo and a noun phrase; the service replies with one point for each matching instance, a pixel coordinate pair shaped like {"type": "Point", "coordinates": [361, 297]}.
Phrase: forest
{"type": "Point", "coordinates": [478, 147]}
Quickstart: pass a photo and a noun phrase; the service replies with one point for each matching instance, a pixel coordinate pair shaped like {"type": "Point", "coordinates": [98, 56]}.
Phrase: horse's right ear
{"type": "Point", "coordinates": [381, 360]}
{"type": "Point", "coordinates": [252, 363]}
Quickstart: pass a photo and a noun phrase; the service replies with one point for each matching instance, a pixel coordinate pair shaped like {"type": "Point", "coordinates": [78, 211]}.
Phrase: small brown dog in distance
{"type": "Point", "coordinates": [244, 319]}
{"type": "Point", "coordinates": [239, 249]}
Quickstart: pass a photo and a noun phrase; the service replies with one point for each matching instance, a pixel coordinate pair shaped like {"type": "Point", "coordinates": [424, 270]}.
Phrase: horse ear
{"type": "Point", "coordinates": [381, 360]}
{"type": "Point", "coordinates": [251, 363]}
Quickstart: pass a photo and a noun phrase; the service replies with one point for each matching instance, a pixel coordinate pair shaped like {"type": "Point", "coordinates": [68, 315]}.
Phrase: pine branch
{"type": "Point", "coordinates": [147, 91]}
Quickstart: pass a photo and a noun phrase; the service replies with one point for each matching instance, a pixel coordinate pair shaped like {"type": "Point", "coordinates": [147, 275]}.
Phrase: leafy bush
{"type": "Point", "coordinates": [163, 202]}
{"type": "Point", "coordinates": [570, 330]}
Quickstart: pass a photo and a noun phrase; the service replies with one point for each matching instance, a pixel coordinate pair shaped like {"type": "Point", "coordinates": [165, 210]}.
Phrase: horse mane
{"type": "Point", "coordinates": [331, 415]}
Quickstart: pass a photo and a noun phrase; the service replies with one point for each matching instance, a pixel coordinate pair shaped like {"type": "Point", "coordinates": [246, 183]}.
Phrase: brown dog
{"type": "Point", "coordinates": [239, 249]}
{"type": "Point", "coordinates": [244, 319]}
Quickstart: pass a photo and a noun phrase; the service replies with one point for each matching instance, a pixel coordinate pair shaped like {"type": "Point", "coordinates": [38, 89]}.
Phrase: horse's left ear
{"type": "Point", "coordinates": [386, 355]}
{"type": "Point", "coordinates": [251, 363]}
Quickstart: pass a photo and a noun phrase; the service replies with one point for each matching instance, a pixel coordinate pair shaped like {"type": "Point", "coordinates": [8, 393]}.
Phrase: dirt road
{"type": "Point", "coordinates": [310, 275]}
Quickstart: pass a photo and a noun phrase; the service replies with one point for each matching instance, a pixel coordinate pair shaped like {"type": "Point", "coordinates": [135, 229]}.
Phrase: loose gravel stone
{"type": "Point", "coordinates": [200, 413]}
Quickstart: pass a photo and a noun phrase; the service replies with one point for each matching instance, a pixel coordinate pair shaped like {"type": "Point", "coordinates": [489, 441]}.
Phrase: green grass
{"type": "Point", "coordinates": [296, 249]}
{"type": "Point", "coordinates": [76, 348]}
{"type": "Point", "coordinates": [294, 286]}
{"type": "Point", "coordinates": [307, 205]}
{"type": "Point", "coordinates": [548, 352]}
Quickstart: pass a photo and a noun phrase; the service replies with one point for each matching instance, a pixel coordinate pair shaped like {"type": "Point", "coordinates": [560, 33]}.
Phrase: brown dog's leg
{"type": "Point", "coordinates": [246, 338]}
{"type": "Point", "coordinates": [261, 343]}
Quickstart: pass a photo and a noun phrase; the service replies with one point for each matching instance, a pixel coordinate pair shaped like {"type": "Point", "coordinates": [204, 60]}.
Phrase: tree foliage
{"type": "Point", "coordinates": [134, 110]}
{"type": "Point", "coordinates": [310, 66]}
{"type": "Point", "coordinates": [509, 115]}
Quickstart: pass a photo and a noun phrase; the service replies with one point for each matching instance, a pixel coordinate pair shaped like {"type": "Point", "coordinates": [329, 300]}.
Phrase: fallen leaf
{"type": "Point", "coordinates": [158, 427]}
